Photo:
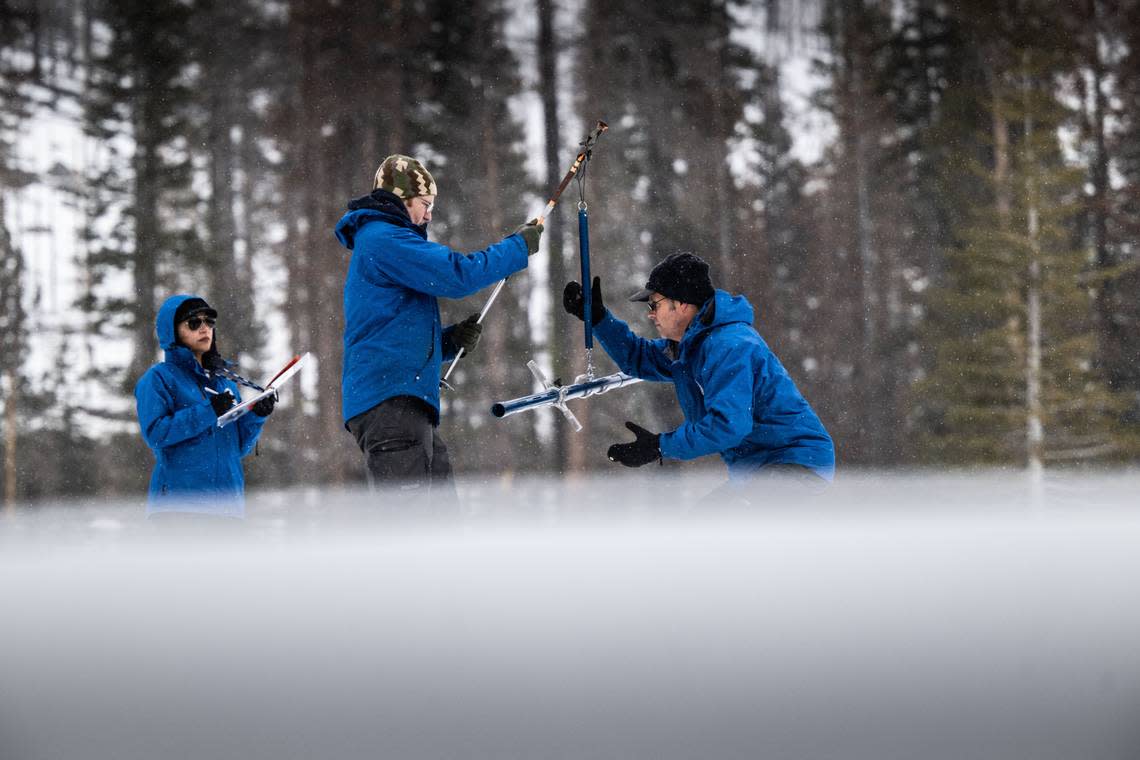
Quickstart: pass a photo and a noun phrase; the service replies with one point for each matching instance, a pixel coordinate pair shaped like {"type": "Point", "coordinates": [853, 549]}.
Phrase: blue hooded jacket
{"type": "Point", "coordinates": [394, 342]}
{"type": "Point", "coordinates": [197, 464]}
{"type": "Point", "coordinates": [737, 398]}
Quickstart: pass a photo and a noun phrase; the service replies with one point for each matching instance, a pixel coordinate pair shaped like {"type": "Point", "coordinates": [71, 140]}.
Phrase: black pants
{"type": "Point", "coordinates": [404, 454]}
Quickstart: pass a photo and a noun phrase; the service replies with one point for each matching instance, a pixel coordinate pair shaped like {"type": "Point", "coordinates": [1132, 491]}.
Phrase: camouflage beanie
{"type": "Point", "coordinates": [405, 177]}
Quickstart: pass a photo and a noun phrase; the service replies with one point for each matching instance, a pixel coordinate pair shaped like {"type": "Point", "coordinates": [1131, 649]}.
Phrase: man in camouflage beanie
{"type": "Point", "coordinates": [394, 342]}
{"type": "Point", "coordinates": [404, 177]}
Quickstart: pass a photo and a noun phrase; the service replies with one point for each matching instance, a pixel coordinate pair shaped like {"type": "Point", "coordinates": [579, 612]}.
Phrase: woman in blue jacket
{"type": "Point", "coordinates": [197, 464]}
{"type": "Point", "coordinates": [738, 399]}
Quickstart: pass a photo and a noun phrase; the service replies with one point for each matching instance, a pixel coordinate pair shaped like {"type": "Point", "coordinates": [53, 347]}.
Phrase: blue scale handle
{"type": "Point", "coordinates": [587, 290]}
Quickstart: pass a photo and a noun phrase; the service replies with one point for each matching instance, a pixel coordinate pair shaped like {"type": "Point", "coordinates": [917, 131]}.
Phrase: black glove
{"type": "Point", "coordinates": [221, 402]}
{"type": "Point", "coordinates": [264, 407]}
{"type": "Point", "coordinates": [466, 334]}
{"type": "Point", "coordinates": [574, 301]}
{"type": "Point", "coordinates": [646, 449]}
{"type": "Point", "coordinates": [531, 232]}
{"type": "Point", "coordinates": [212, 361]}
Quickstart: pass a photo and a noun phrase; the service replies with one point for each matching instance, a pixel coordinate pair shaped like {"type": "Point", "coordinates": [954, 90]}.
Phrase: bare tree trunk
{"type": "Point", "coordinates": [1022, 343]}
{"type": "Point", "coordinates": [722, 129]}
{"type": "Point", "coordinates": [147, 244]}
{"type": "Point", "coordinates": [566, 440]}
{"type": "Point", "coordinates": [11, 345]}
{"type": "Point", "coordinates": [867, 257]}
{"type": "Point", "coordinates": [772, 13]}
{"type": "Point", "coordinates": [325, 278]}
{"type": "Point", "coordinates": [1004, 200]}
{"type": "Point", "coordinates": [1109, 340]}
{"type": "Point", "coordinates": [857, 128]}
{"type": "Point", "coordinates": [496, 365]}
{"type": "Point", "coordinates": [10, 440]}
{"type": "Point", "coordinates": [299, 185]}
{"type": "Point", "coordinates": [1034, 427]}
{"type": "Point", "coordinates": [863, 218]}
{"type": "Point", "coordinates": [314, 185]}
{"type": "Point", "coordinates": [398, 84]}
{"type": "Point", "coordinates": [246, 230]}
{"type": "Point", "coordinates": [229, 290]}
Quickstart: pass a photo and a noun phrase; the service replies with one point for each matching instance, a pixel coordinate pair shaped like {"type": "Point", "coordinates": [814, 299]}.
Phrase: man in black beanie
{"type": "Point", "coordinates": [737, 398]}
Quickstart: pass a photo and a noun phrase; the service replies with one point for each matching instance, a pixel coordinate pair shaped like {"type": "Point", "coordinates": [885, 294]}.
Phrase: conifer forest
{"type": "Point", "coordinates": [934, 206]}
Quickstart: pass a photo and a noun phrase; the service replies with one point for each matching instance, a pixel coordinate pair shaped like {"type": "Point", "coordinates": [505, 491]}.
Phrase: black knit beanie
{"type": "Point", "coordinates": [681, 276]}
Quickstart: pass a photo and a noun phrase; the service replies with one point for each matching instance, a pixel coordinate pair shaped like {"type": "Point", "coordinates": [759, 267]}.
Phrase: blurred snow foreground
{"type": "Point", "coordinates": [918, 616]}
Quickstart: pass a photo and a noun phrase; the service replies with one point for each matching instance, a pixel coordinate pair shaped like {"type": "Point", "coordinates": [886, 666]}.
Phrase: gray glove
{"type": "Point", "coordinates": [531, 232]}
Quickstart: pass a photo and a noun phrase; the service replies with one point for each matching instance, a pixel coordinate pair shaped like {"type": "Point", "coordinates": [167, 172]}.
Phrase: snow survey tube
{"type": "Point", "coordinates": [559, 396]}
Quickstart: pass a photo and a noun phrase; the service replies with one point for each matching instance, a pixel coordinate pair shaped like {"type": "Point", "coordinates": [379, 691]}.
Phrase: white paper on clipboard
{"type": "Point", "coordinates": [271, 387]}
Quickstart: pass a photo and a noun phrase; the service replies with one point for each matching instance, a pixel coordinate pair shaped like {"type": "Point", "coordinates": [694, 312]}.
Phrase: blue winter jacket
{"type": "Point", "coordinates": [737, 398]}
{"type": "Point", "coordinates": [394, 342]}
{"type": "Point", "coordinates": [197, 464]}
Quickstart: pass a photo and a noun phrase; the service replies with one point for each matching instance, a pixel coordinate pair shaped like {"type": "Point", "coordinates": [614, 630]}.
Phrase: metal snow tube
{"type": "Point", "coordinates": [558, 396]}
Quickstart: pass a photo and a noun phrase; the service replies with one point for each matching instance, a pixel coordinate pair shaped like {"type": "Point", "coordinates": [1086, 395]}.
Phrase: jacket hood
{"type": "Point", "coordinates": [722, 309]}
{"type": "Point", "coordinates": [379, 205]}
{"type": "Point", "coordinates": [164, 328]}
{"type": "Point", "coordinates": [164, 322]}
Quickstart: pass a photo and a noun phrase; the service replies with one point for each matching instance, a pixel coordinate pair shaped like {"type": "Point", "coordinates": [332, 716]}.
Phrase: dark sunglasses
{"type": "Point", "coordinates": [654, 304]}
{"type": "Point", "coordinates": [195, 322]}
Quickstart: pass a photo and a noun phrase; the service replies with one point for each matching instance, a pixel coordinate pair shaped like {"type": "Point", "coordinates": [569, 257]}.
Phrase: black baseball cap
{"type": "Point", "coordinates": [681, 276]}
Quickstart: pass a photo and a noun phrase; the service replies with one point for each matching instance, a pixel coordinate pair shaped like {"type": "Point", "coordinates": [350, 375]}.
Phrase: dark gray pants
{"type": "Point", "coordinates": [404, 454]}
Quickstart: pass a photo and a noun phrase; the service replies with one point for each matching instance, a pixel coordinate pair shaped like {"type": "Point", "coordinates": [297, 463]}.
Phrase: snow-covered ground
{"type": "Point", "coordinates": [896, 616]}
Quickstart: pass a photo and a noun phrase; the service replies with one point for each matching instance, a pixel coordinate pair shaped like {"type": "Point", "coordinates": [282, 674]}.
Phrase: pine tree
{"type": "Point", "coordinates": [350, 86]}
{"type": "Point", "coordinates": [16, 27]}
{"type": "Point", "coordinates": [230, 42]}
{"type": "Point", "coordinates": [901, 75]}
{"type": "Point", "coordinates": [13, 348]}
{"type": "Point", "coordinates": [1114, 211]}
{"type": "Point", "coordinates": [1014, 379]}
{"type": "Point", "coordinates": [478, 166]}
{"type": "Point", "coordinates": [50, 456]}
{"type": "Point", "coordinates": [138, 110]}
{"type": "Point", "coordinates": [776, 239]}
{"type": "Point", "coordinates": [930, 73]}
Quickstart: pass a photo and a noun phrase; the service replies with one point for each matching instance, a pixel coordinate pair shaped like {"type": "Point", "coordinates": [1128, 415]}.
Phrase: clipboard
{"type": "Point", "coordinates": [283, 375]}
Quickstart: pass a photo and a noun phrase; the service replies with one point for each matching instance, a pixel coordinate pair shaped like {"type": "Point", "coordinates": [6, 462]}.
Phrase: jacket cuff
{"type": "Point", "coordinates": [206, 412]}
{"type": "Point", "coordinates": [521, 244]}
{"type": "Point", "coordinates": [447, 345]}
{"type": "Point", "coordinates": [607, 323]}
